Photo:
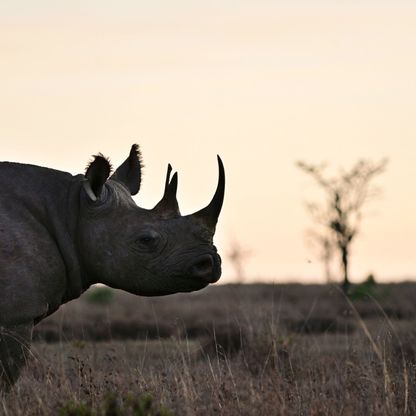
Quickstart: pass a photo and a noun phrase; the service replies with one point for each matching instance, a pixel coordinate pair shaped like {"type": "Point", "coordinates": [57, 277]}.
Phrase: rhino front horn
{"type": "Point", "coordinates": [209, 215]}
{"type": "Point", "coordinates": [168, 206]}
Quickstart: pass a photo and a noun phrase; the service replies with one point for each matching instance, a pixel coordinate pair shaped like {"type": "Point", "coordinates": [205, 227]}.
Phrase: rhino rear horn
{"type": "Point", "coordinates": [168, 206]}
{"type": "Point", "coordinates": [209, 215]}
{"type": "Point", "coordinates": [130, 172]}
{"type": "Point", "coordinates": [96, 175]}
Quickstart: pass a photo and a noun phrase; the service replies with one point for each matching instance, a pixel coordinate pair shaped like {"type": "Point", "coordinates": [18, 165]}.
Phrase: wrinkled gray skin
{"type": "Point", "coordinates": [60, 233]}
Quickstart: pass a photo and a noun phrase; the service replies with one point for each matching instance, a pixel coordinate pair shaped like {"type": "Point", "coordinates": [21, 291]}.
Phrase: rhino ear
{"type": "Point", "coordinates": [97, 173]}
{"type": "Point", "coordinates": [129, 173]}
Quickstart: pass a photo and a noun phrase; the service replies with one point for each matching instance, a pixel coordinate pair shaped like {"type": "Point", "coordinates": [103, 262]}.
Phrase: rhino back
{"type": "Point", "coordinates": [32, 222]}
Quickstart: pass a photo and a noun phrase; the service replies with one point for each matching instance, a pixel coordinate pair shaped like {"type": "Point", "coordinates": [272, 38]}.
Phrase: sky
{"type": "Point", "coordinates": [262, 83]}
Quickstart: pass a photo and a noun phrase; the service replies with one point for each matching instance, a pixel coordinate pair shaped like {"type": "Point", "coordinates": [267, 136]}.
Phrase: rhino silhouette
{"type": "Point", "coordinates": [60, 233]}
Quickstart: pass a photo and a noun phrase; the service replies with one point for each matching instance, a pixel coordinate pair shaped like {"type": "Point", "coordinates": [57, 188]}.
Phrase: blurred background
{"type": "Point", "coordinates": [262, 83]}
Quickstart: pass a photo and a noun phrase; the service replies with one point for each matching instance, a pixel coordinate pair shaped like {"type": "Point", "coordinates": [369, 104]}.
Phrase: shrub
{"type": "Point", "coordinates": [141, 405]}
{"type": "Point", "coordinates": [365, 290]}
{"type": "Point", "coordinates": [102, 295]}
{"type": "Point", "coordinates": [72, 408]}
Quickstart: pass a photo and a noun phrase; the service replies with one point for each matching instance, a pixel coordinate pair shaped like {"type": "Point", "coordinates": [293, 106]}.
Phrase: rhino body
{"type": "Point", "coordinates": [60, 233]}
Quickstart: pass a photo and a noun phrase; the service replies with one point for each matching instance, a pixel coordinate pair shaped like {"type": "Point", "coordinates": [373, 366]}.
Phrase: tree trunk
{"type": "Point", "coordinates": [346, 282]}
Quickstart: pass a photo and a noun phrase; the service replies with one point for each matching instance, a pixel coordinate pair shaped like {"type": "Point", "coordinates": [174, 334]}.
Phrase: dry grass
{"type": "Point", "coordinates": [229, 350]}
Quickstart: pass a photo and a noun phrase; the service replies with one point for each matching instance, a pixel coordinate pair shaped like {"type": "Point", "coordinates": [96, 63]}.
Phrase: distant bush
{"type": "Point", "coordinates": [101, 295]}
{"type": "Point", "coordinates": [142, 405]}
{"type": "Point", "coordinates": [366, 290]}
{"type": "Point", "coordinates": [72, 408]}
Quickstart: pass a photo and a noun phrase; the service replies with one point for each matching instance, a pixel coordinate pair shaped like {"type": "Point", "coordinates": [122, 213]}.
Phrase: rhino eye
{"type": "Point", "coordinates": [148, 239]}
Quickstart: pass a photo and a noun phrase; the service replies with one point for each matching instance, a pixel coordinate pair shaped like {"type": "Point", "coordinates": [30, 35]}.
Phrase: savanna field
{"type": "Point", "coordinates": [228, 350]}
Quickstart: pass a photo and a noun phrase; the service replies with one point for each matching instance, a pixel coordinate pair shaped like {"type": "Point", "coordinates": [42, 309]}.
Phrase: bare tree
{"type": "Point", "coordinates": [325, 250]}
{"type": "Point", "coordinates": [237, 256]}
{"type": "Point", "coordinates": [341, 213]}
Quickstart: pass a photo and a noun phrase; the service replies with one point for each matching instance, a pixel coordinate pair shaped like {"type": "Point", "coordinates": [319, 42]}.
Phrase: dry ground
{"type": "Point", "coordinates": [228, 350]}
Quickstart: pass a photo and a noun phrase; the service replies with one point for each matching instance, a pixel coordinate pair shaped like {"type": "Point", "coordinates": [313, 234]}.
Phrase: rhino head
{"type": "Point", "coordinates": [146, 252]}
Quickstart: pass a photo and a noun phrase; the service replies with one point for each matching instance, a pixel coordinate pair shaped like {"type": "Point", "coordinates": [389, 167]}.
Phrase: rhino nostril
{"type": "Point", "coordinates": [203, 267]}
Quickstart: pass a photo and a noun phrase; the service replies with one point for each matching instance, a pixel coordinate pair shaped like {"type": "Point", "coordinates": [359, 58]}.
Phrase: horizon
{"type": "Point", "coordinates": [263, 84]}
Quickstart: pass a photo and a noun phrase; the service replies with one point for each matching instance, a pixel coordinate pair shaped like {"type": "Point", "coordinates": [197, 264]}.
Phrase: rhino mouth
{"type": "Point", "coordinates": [203, 270]}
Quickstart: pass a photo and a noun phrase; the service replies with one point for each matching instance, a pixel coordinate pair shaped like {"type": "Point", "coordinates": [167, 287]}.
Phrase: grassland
{"type": "Point", "coordinates": [227, 350]}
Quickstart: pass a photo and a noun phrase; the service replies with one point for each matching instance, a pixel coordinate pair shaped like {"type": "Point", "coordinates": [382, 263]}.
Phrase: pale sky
{"type": "Point", "coordinates": [262, 83]}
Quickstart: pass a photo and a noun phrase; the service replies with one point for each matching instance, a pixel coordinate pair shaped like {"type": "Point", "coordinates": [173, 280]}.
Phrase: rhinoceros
{"type": "Point", "coordinates": [60, 234]}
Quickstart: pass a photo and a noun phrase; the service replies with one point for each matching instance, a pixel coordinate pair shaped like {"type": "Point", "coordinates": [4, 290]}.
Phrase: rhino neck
{"type": "Point", "coordinates": [62, 209]}
{"type": "Point", "coordinates": [62, 217]}
{"type": "Point", "coordinates": [77, 280]}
